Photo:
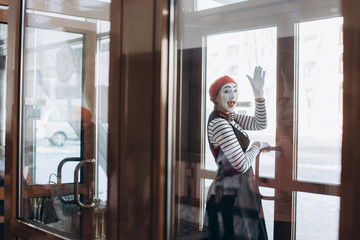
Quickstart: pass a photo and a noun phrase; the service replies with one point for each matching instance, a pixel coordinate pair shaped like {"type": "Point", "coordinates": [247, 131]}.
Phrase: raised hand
{"type": "Point", "coordinates": [257, 82]}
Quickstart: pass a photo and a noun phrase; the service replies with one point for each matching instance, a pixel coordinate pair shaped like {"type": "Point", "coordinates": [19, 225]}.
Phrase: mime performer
{"type": "Point", "coordinates": [235, 183]}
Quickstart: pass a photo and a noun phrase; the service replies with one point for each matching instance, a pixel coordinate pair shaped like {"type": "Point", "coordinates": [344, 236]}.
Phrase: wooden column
{"type": "Point", "coordinates": [350, 177]}
{"type": "Point", "coordinates": [284, 136]}
{"type": "Point", "coordinates": [137, 119]}
{"type": "Point", "coordinates": [12, 111]}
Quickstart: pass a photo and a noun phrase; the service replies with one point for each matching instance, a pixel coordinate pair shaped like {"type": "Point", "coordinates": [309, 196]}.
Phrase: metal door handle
{"type": "Point", "coordinates": [257, 169]}
{"type": "Point", "coordinates": [76, 184]}
{"type": "Point", "coordinates": [61, 164]}
{"type": "Point", "coordinates": [59, 180]}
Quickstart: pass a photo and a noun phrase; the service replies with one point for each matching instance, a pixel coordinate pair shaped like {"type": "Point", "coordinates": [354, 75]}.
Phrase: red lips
{"type": "Point", "coordinates": [231, 103]}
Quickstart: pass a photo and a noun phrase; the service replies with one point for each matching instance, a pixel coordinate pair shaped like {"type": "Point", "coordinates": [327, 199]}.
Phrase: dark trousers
{"type": "Point", "coordinates": [226, 206]}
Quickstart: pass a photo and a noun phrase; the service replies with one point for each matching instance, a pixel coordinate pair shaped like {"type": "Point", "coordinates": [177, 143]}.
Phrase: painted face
{"type": "Point", "coordinates": [227, 97]}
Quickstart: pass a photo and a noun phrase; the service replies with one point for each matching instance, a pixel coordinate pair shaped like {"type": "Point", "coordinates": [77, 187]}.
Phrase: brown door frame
{"type": "Point", "coordinates": [350, 177]}
{"type": "Point", "coordinates": [12, 106]}
{"type": "Point", "coordinates": [17, 227]}
{"type": "Point", "coordinates": [137, 119]}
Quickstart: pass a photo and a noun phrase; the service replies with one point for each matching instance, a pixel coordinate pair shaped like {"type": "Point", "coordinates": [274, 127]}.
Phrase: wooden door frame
{"type": "Point", "coordinates": [350, 177]}
{"type": "Point", "coordinates": [12, 106]}
{"type": "Point", "coordinates": [137, 119]}
{"type": "Point", "coordinates": [17, 227]}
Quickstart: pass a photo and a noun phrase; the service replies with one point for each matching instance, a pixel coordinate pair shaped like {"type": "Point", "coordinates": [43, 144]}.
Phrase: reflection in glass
{"type": "Point", "coordinates": [53, 81]}
{"type": "Point", "coordinates": [320, 100]}
{"type": "Point", "coordinates": [51, 120]}
{"type": "Point", "coordinates": [65, 123]}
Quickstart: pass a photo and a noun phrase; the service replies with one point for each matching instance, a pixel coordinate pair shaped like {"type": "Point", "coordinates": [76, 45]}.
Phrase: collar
{"type": "Point", "coordinates": [228, 116]}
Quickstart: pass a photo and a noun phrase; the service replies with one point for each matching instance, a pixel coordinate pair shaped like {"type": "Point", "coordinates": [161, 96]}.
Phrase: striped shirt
{"type": "Point", "coordinates": [221, 134]}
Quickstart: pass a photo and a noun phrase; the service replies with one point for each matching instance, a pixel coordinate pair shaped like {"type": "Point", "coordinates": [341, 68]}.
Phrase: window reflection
{"type": "Point", "coordinates": [64, 120]}
{"type": "Point", "coordinates": [52, 102]}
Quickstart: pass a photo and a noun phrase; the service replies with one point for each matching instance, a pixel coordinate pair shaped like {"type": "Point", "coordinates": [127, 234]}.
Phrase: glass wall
{"type": "Point", "coordinates": [298, 44]}
{"type": "Point", "coordinates": [64, 123]}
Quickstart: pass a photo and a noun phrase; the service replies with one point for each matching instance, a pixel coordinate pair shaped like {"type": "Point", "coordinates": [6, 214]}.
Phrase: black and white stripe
{"type": "Point", "coordinates": [221, 134]}
{"type": "Point", "coordinates": [256, 122]}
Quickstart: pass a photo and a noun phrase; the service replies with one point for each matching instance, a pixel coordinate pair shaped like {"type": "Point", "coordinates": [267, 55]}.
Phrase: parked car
{"type": "Point", "coordinates": [56, 128]}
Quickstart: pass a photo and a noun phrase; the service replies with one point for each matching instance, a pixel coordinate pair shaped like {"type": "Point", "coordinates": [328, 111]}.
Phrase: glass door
{"type": "Point", "coordinates": [238, 58]}
{"type": "Point", "coordinates": [63, 120]}
{"type": "Point", "coordinates": [300, 48]}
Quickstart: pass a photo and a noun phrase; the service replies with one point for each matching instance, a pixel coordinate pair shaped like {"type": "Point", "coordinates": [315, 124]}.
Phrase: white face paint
{"type": "Point", "coordinates": [227, 97]}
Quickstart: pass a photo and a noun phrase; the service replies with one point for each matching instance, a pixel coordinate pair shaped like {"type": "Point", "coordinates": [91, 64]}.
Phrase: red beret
{"type": "Point", "coordinates": [215, 86]}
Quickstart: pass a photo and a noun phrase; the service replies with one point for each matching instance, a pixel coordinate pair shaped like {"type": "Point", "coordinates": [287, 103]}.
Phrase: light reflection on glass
{"type": "Point", "coordinates": [208, 4]}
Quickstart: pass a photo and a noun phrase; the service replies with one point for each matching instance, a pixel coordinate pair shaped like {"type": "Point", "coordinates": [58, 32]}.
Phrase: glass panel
{"type": "Point", "coordinates": [102, 88]}
{"type": "Point", "coordinates": [317, 216]}
{"type": "Point", "coordinates": [220, 53]}
{"type": "Point", "coordinates": [231, 54]}
{"type": "Point", "coordinates": [3, 54]}
{"type": "Point", "coordinates": [65, 119]}
{"type": "Point", "coordinates": [320, 100]}
{"type": "Point", "coordinates": [53, 75]}
{"type": "Point", "coordinates": [268, 206]}
{"type": "Point", "coordinates": [231, 40]}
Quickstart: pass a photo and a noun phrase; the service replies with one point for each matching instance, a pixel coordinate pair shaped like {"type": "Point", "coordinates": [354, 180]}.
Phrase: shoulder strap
{"type": "Point", "coordinates": [242, 137]}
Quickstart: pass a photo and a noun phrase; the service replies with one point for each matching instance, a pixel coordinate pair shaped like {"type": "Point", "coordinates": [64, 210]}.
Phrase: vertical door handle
{"type": "Point", "coordinates": [59, 176]}
{"type": "Point", "coordinates": [257, 169]}
{"type": "Point", "coordinates": [76, 184]}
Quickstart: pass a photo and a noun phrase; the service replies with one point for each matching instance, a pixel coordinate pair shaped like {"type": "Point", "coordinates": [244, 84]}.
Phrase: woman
{"type": "Point", "coordinates": [235, 180]}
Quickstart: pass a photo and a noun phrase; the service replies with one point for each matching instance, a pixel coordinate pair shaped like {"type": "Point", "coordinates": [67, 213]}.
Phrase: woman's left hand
{"type": "Point", "coordinates": [257, 82]}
